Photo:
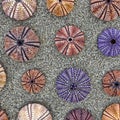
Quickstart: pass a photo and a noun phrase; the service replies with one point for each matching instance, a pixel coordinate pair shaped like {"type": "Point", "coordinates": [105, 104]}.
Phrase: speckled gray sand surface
{"type": "Point", "coordinates": [51, 62]}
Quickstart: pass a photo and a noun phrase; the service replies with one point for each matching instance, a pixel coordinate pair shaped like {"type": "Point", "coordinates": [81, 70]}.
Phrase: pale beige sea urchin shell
{"type": "Point", "coordinates": [34, 111]}
{"type": "Point", "coordinates": [19, 9]}
{"type": "Point", "coordinates": [2, 77]}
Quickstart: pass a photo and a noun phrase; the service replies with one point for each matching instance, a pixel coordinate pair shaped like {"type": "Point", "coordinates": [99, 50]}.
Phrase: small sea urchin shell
{"type": "Point", "coordinates": [106, 9]}
{"type": "Point", "coordinates": [19, 9]}
{"type": "Point", "coordinates": [60, 7]}
{"type": "Point", "coordinates": [3, 115]}
{"type": "Point", "coordinates": [34, 111]}
{"type": "Point", "coordinates": [112, 112]}
{"type": "Point", "coordinates": [2, 77]}
{"type": "Point", "coordinates": [111, 83]}
{"type": "Point", "coordinates": [79, 114]}
{"type": "Point", "coordinates": [33, 81]}
{"type": "Point", "coordinates": [69, 40]}
{"type": "Point", "coordinates": [109, 42]}
{"type": "Point", "coordinates": [21, 44]}
{"type": "Point", "coordinates": [73, 85]}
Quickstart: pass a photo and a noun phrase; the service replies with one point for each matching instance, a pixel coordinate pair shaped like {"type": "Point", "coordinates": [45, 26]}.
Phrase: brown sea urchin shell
{"type": "Point", "coordinates": [33, 81]}
{"type": "Point", "coordinates": [60, 7]}
{"type": "Point", "coordinates": [111, 83]}
{"type": "Point", "coordinates": [19, 9]}
{"type": "Point", "coordinates": [69, 40]}
{"type": "Point", "coordinates": [112, 112]}
{"type": "Point", "coordinates": [34, 111]}
{"type": "Point", "coordinates": [3, 115]}
{"type": "Point", "coordinates": [21, 43]}
{"type": "Point", "coordinates": [106, 10]}
{"type": "Point", "coordinates": [2, 77]}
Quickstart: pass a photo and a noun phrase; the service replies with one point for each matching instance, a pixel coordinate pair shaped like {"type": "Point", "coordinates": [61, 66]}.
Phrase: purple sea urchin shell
{"type": "Point", "coordinates": [109, 42]}
{"type": "Point", "coordinates": [73, 85]}
{"type": "Point", "coordinates": [79, 114]}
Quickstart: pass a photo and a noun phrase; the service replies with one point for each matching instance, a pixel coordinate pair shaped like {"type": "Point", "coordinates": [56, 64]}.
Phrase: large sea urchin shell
{"type": "Point", "coordinates": [111, 83]}
{"type": "Point", "coordinates": [112, 112]}
{"type": "Point", "coordinates": [21, 43]}
{"type": "Point", "coordinates": [34, 112]}
{"type": "Point", "coordinates": [19, 9]}
{"type": "Point", "coordinates": [106, 10]}
{"type": "Point", "coordinates": [2, 77]}
{"type": "Point", "coordinates": [73, 85]}
{"type": "Point", "coordinates": [79, 114]}
{"type": "Point", "coordinates": [60, 7]}
{"type": "Point", "coordinates": [69, 40]}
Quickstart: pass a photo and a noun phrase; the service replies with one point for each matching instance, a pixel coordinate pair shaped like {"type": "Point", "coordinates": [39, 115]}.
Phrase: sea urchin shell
{"type": "Point", "coordinates": [111, 83]}
{"type": "Point", "coordinates": [33, 81]}
{"type": "Point", "coordinates": [34, 111]}
{"type": "Point", "coordinates": [69, 40]}
{"type": "Point", "coordinates": [112, 112]}
{"type": "Point", "coordinates": [79, 114]}
{"type": "Point", "coordinates": [3, 115]}
{"type": "Point", "coordinates": [60, 7]}
{"type": "Point", "coordinates": [19, 9]}
{"type": "Point", "coordinates": [106, 10]}
{"type": "Point", "coordinates": [21, 43]}
{"type": "Point", "coordinates": [2, 77]}
{"type": "Point", "coordinates": [109, 42]}
{"type": "Point", "coordinates": [73, 85]}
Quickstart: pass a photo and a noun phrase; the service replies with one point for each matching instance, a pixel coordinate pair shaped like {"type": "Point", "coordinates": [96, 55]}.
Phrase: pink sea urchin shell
{"type": "Point", "coordinates": [69, 40]}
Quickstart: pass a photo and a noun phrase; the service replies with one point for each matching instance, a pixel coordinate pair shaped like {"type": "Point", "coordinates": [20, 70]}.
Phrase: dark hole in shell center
{"type": "Point", "coordinates": [113, 41]}
{"type": "Point", "coordinates": [108, 1]}
{"type": "Point", "coordinates": [116, 84]}
{"type": "Point", "coordinates": [73, 86]}
{"type": "Point", "coordinates": [18, 0]}
{"type": "Point", "coordinates": [20, 42]}
{"type": "Point", "coordinates": [70, 39]}
{"type": "Point", "coordinates": [32, 81]}
{"type": "Point", "coordinates": [60, 0]}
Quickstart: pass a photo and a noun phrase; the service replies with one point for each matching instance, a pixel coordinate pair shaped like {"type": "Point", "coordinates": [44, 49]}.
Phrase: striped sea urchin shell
{"type": "Point", "coordinates": [19, 9]}
{"type": "Point", "coordinates": [111, 83]}
{"type": "Point", "coordinates": [2, 77]}
{"type": "Point", "coordinates": [34, 111]}
{"type": "Point", "coordinates": [112, 112]}
{"type": "Point", "coordinates": [73, 85]}
{"type": "Point", "coordinates": [79, 114]}
{"type": "Point", "coordinates": [33, 81]}
{"type": "Point", "coordinates": [69, 40]}
{"type": "Point", "coordinates": [106, 10]}
{"type": "Point", "coordinates": [21, 43]}
{"type": "Point", "coordinates": [3, 115]}
{"type": "Point", "coordinates": [109, 42]}
{"type": "Point", "coordinates": [60, 7]}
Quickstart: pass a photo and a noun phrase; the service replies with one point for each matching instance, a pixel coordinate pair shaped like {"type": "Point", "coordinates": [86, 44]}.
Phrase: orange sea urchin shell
{"type": "Point", "coordinates": [19, 9]}
{"type": "Point", "coordinates": [60, 7]}
{"type": "Point", "coordinates": [106, 10]}
{"type": "Point", "coordinates": [111, 83]}
{"type": "Point", "coordinates": [33, 81]}
{"type": "Point", "coordinates": [112, 112]}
